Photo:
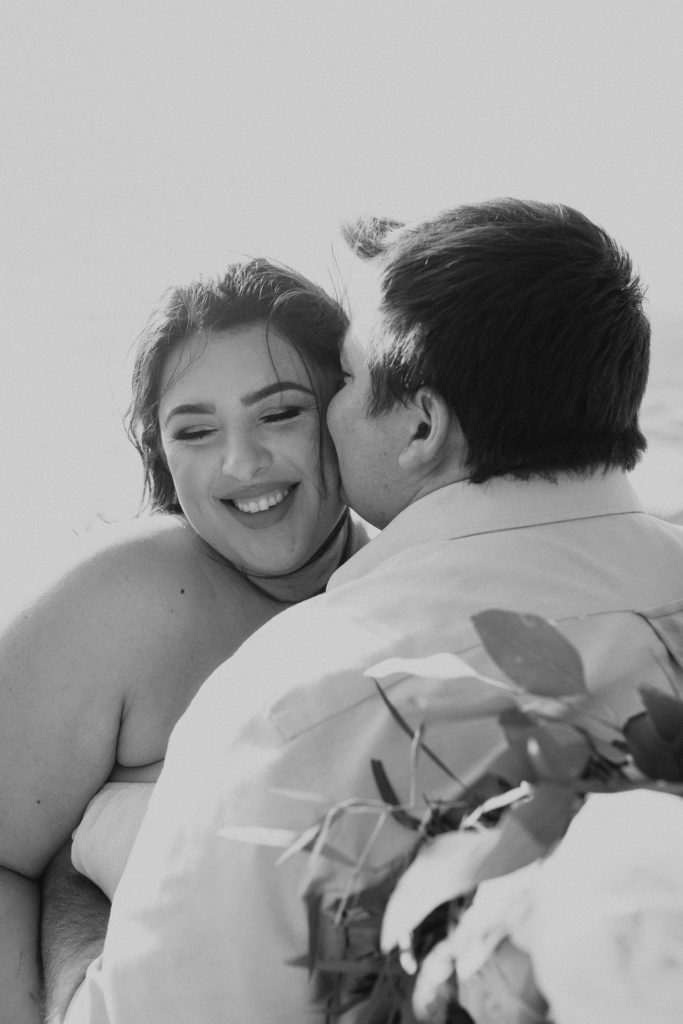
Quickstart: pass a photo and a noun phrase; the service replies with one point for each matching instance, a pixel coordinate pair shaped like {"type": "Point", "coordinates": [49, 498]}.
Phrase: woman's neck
{"type": "Point", "coordinates": [311, 578]}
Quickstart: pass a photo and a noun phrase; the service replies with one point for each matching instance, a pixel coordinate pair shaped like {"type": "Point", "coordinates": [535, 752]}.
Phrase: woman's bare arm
{"type": "Point", "coordinates": [55, 751]}
{"type": "Point", "coordinates": [20, 982]}
{"type": "Point", "coordinates": [96, 671]}
{"type": "Point", "coordinates": [98, 662]}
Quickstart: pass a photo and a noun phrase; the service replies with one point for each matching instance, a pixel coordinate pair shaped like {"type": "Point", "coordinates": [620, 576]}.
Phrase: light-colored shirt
{"type": "Point", "coordinates": [205, 926]}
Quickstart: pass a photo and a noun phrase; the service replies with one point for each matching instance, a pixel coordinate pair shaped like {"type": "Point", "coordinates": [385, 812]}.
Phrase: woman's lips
{"type": "Point", "coordinates": [262, 503]}
{"type": "Point", "coordinates": [264, 510]}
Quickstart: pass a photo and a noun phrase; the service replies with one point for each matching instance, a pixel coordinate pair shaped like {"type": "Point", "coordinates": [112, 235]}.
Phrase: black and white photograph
{"type": "Point", "coordinates": [341, 517]}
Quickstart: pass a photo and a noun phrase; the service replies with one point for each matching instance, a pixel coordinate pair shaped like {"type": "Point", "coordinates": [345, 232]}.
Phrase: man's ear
{"type": "Point", "coordinates": [434, 429]}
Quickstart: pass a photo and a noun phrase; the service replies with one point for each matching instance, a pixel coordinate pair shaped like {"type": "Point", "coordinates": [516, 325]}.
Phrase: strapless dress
{"type": "Point", "coordinates": [104, 838]}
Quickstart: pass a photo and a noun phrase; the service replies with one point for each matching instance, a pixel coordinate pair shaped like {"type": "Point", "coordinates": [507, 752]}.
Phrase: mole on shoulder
{"type": "Point", "coordinates": [182, 590]}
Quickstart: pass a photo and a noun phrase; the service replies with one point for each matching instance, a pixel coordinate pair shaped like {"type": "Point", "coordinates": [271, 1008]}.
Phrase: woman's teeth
{"type": "Point", "coordinates": [263, 503]}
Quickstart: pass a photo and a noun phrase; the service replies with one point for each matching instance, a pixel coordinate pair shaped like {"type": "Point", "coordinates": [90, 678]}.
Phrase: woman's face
{"type": "Point", "coordinates": [240, 428]}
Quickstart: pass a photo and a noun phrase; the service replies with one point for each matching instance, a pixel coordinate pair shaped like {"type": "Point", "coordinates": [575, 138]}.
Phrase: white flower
{"type": "Point", "coordinates": [606, 937]}
{"type": "Point", "coordinates": [444, 868]}
{"type": "Point", "coordinates": [495, 980]}
{"type": "Point", "coordinates": [504, 990]}
{"type": "Point", "coordinates": [433, 986]}
{"type": "Point", "coordinates": [499, 910]}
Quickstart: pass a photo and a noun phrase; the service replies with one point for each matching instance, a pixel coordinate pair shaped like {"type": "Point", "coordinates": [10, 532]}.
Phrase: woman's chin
{"type": "Point", "coordinates": [278, 566]}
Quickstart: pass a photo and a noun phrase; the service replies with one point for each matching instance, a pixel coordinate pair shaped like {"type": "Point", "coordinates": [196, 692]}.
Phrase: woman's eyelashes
{"type": "Point", "coordinates": [280, 415]}
{"type": "Point", "coordinates": [288, 413]}
{"type": "Point", "coordinates": [192, 433]}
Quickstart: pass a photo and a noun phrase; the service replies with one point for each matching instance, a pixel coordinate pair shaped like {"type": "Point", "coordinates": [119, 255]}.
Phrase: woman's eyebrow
{"type": "Point", "coordinates": [190, 407]}
{"type": "Point", "coordinates": [273, 389]}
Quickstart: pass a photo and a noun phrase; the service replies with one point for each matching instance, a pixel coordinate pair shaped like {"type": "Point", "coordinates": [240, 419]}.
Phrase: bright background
{"type": "Point", "coordinates": [147, 142]}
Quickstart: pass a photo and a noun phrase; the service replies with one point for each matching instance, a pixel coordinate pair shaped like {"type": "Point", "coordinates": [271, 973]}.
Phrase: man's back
{"type": "Point", "coordinates": [205, 926]}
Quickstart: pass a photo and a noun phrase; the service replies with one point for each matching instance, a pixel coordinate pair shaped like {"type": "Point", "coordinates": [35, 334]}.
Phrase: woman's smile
{"type": "Point", "coordinates": [252, 510]}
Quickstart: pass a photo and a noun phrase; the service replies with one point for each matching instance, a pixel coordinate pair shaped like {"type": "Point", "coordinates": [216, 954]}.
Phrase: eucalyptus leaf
{"type": "Point", "coordinates": [313, 901]}
{"type": "Point", "coordinates": [512, 765]}
{"type": "Point", "coordinates": [531, 652]}
{"type": "Point", "coordinates": [341, 966]}
{"type": "Point", "coordinates": [547, 814]}
{"type": "Point", "coordinates": [666, 713]}
{"type": "Point", "coordinates": [452, 709]}
{"type": "Point", "coordinates": [558, 752]}
{"type": "Point", "coordinates": [432, 666]}
{"type": "Point", "coordinates": [582, 710]}
{"type": "Point", "coordinates": [528, 830]}
{"type": "Point", "coordinates": [389, 795]}
{"type": "Point", "coordinates": [655, 757]}
{"type": "Point", "coordinates": [408, 729]}
{"type": "Point", "coordinates": [304, 841]}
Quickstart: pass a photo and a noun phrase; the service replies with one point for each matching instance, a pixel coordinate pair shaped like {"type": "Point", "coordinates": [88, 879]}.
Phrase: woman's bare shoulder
{"type": "Point", "coordinates": [140, 544]}
{"type": "Point", "coordinates": [141, 603]}
{"type": "Point", "coordinates": [163, 556]}
{"type": "Point", "coordinates": [124, 558]}
{"type": "Point", "coordinates": [121, 594]}
{"type": "Point", "coordinates": [145, 610]}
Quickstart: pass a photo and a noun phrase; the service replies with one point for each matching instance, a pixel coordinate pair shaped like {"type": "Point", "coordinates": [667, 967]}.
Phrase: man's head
{"type": "Point", "coordinates": [520, 321]}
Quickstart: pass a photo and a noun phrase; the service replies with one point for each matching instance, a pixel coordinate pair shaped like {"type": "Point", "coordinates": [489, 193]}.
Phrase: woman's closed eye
{"type": "Point", "coordinates": [193, 433]}
{"type": "Point", "coordinates": [289, 412]}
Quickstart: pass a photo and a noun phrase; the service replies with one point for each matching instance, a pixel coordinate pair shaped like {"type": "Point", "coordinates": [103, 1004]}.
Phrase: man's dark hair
{"type": "Point", "coordinates": [528, 319]}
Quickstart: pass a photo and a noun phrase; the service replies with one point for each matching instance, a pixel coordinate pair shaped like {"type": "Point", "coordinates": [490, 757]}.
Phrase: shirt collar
{"type": "Point", "coordinates": [464, 509]}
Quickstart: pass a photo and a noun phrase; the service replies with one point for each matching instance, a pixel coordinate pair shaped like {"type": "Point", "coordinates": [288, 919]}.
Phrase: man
{"type": "Point", "coordinates": [488, 416]}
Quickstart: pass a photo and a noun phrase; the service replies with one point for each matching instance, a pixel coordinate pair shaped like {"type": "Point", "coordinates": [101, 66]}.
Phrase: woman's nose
{"type": "Point", "coordinates": [243, 457]}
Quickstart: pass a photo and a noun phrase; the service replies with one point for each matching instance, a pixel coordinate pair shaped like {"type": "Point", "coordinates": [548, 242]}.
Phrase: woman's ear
{"type": "Point", "coordinates": [435, 433]}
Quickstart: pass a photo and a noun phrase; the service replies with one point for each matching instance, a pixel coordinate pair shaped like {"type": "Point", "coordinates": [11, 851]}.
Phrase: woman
{"type": "Point", "coordinates": [230, 389]}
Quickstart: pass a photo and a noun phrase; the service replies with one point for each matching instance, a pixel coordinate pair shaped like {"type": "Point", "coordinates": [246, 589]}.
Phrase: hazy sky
{"type": "Point", "coordinates": [145, 142]}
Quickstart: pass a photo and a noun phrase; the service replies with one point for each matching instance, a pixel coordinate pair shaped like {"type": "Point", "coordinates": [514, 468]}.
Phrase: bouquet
{"type": "Point", "coordinates": [557, 899]}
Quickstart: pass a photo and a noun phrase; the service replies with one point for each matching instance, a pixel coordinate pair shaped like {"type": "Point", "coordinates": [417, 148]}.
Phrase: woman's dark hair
{"type": "Point", "coordinates": [253, 291]}
{"type": "Point", "coordinates": [527, 318]}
